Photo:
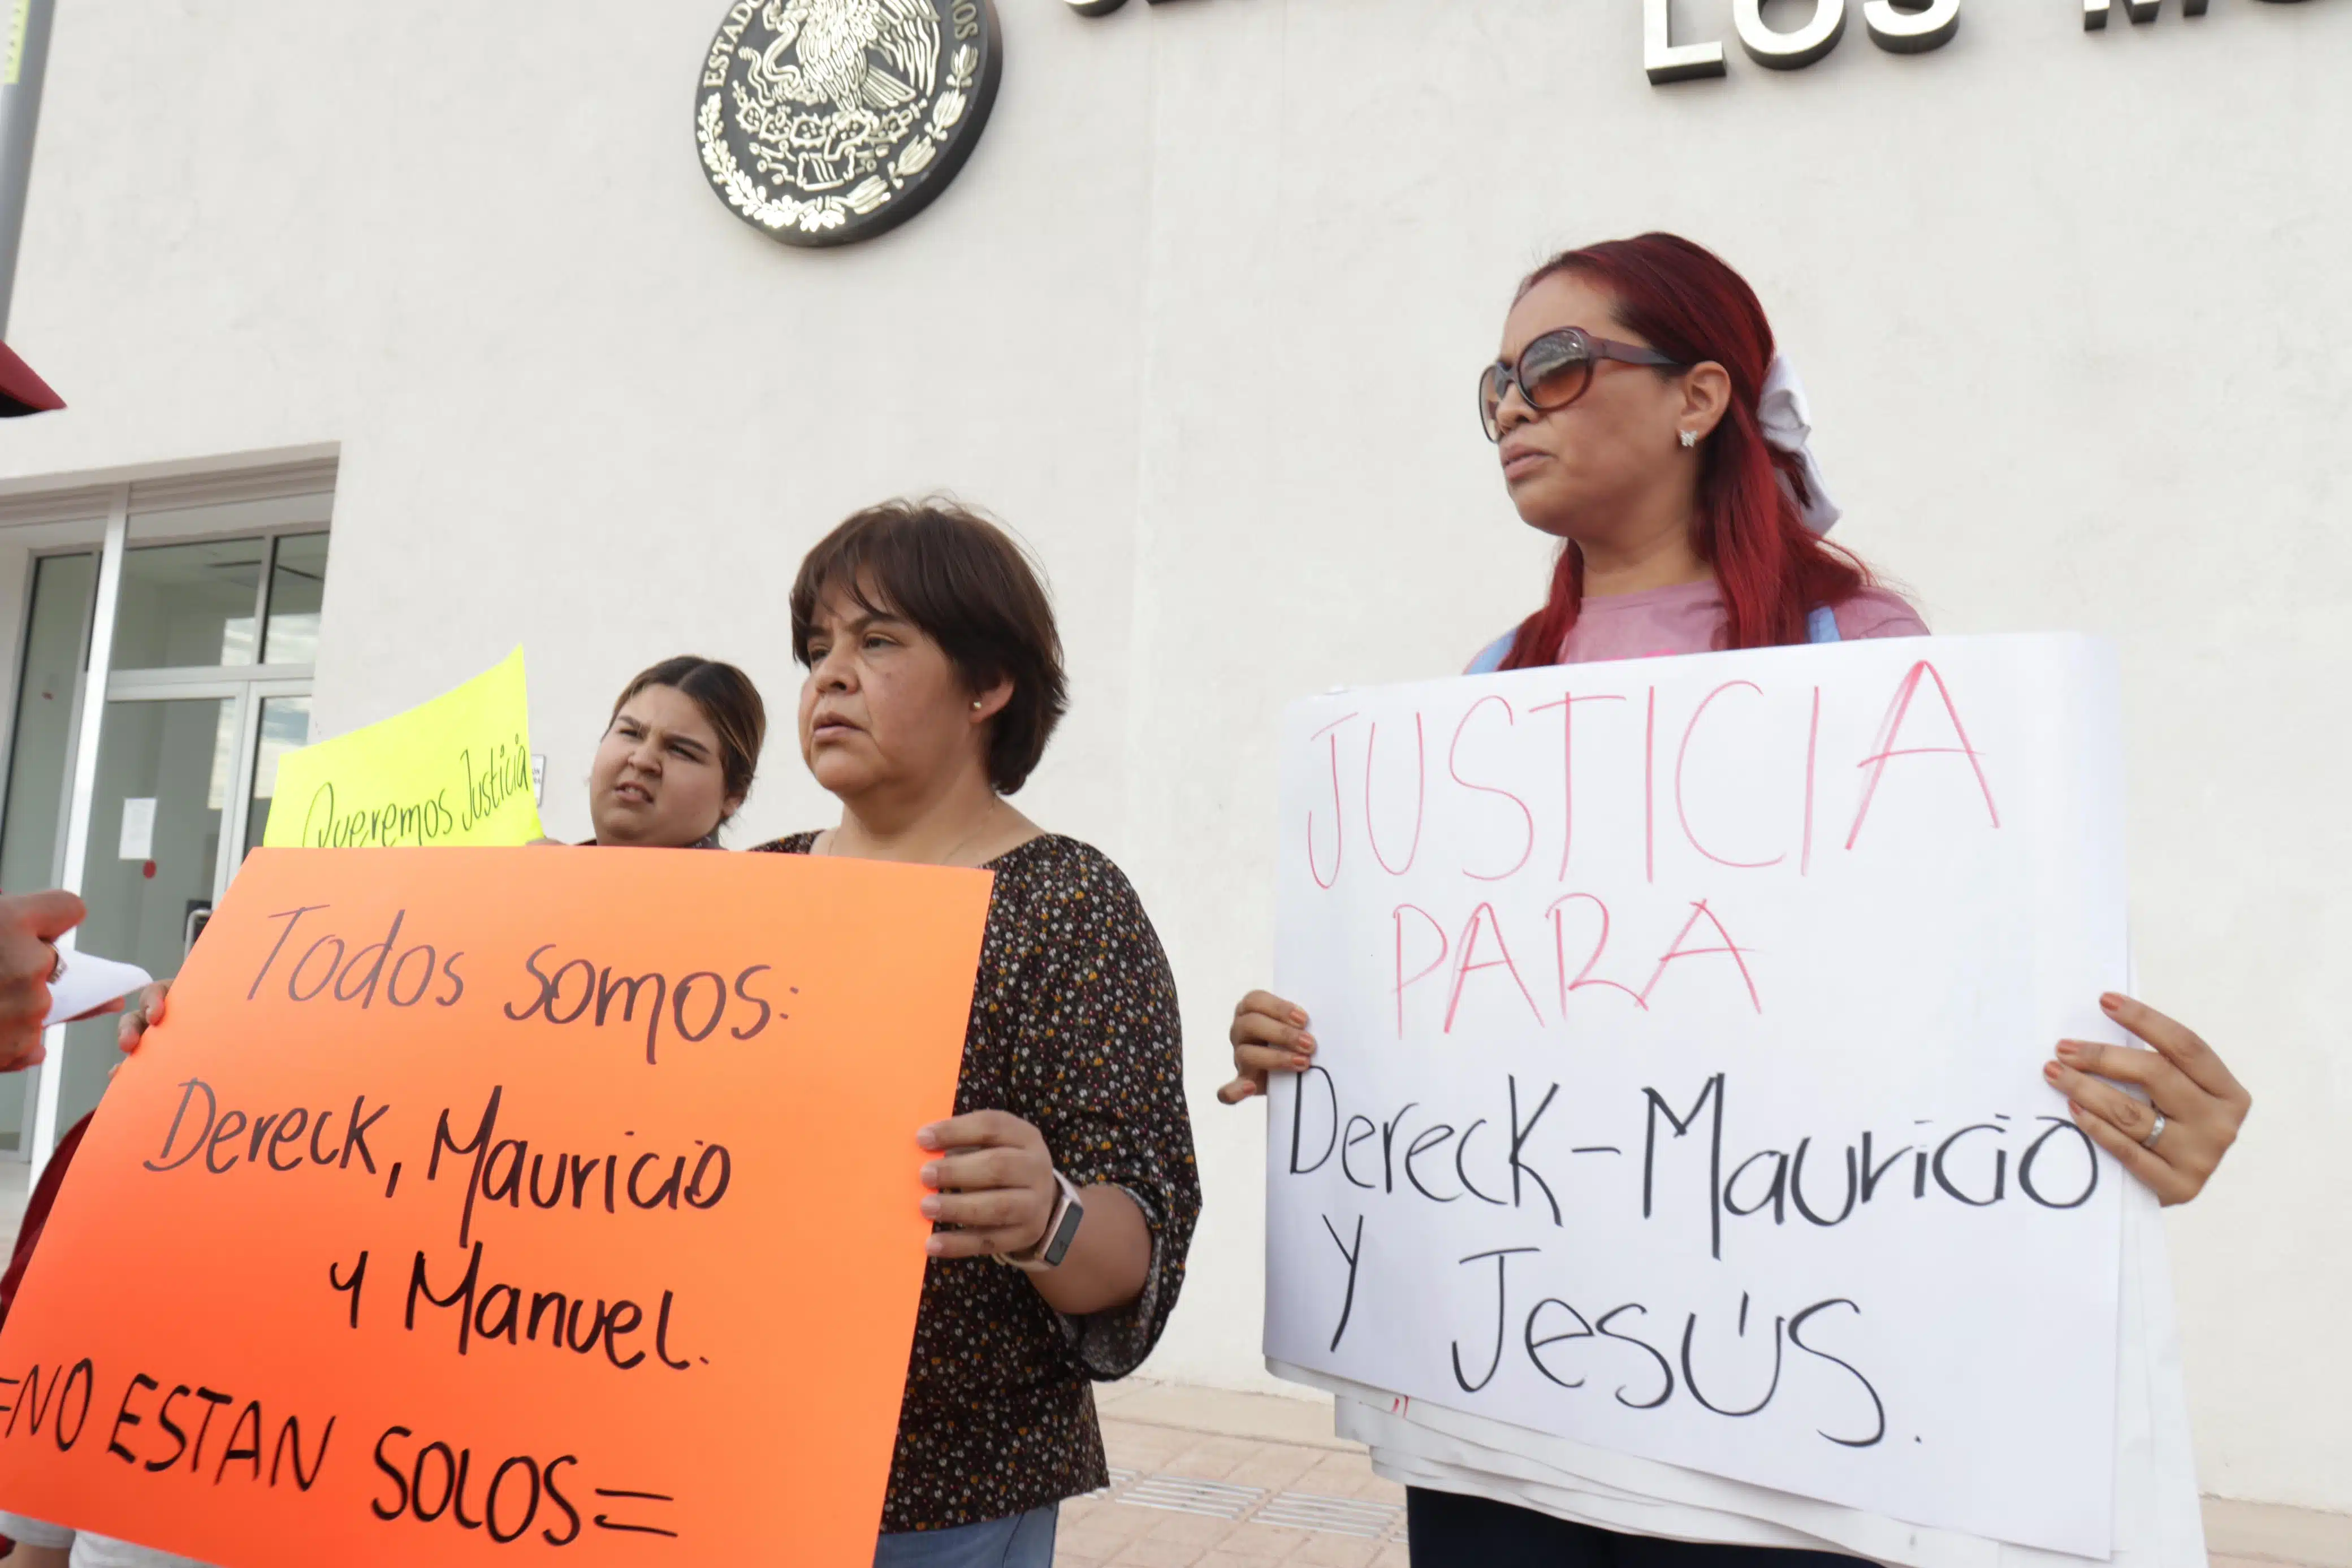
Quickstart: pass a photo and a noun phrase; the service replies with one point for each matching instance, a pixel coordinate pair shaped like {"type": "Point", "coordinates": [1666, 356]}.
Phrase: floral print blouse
{"type": "Point", "coordinates": [1073, 1029]}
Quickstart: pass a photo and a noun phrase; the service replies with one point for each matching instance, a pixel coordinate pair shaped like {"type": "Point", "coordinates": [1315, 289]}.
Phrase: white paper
{"type": "Point", "coordinates": [87, 982]}
{"type": "Point", "coordinates": [1919, 866]}
{"type": "Point", "coordinates": [138, 828]}
{"type": "Point", "coordinates": [2158, 1520]}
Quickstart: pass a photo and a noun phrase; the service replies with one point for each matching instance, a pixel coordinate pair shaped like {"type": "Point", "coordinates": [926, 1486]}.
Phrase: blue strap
{"type": "Point", "coordinates": [1490, 658]}
{"type": "Point", "coordinates": [1821, 626]}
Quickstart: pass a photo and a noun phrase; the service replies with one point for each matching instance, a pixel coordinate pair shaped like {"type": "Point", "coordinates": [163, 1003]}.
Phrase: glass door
{"type": "Point", "coordinates": [185, 772]}
{"type": "Point", "coordinates": [194, 667]}
{"type": "Point", "coordinates": [166, 771]}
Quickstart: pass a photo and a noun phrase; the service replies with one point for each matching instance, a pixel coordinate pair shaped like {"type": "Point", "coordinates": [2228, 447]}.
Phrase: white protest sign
{"type": "Point", "coordinates": [1680, 1027]}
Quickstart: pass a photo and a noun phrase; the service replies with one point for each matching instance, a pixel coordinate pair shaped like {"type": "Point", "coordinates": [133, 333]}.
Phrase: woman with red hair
{"type": "Point", "coordinates": [1643, 418]}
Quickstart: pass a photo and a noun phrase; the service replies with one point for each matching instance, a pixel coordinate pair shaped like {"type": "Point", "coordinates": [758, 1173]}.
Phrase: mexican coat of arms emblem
{"type": "Point", "coordinates": [823, 121]}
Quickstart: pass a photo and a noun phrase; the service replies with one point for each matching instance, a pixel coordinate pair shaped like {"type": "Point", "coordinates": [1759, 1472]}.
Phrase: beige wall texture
{"type": "Point", "coordinates": [1200, 320]}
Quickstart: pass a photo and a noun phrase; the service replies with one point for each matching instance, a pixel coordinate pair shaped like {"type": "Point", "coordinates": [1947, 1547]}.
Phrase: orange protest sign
{"type": "Point", "coordinates": [501, 1205]}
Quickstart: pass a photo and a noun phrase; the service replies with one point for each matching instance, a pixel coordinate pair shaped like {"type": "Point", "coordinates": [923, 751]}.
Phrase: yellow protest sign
{"type": "Point", "coordinates": [454, 770]}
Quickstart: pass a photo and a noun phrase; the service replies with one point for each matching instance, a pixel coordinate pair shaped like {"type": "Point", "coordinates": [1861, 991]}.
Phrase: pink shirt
{"type": "Point", "coordinates": [1688, 617]}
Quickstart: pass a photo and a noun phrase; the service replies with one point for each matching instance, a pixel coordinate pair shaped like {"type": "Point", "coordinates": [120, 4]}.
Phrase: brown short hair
{"type": "Point", "coordinates": [727, 699]}
{"type": "Point", "coordinates": [972, 589]}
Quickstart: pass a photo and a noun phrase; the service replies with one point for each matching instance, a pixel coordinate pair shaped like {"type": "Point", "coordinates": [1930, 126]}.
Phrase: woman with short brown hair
{"type": "Point", "coordinates": [934, 683]}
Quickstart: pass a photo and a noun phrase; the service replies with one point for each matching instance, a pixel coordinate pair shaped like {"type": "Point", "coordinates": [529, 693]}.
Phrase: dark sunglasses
{"type": "Point", "coordinates": [1554, 372]}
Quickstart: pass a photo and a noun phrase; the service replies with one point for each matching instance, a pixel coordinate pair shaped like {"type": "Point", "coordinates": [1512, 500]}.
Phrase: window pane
{"type": "Point", "coordinates": [296, 584]}
{"type": "Point", "coordinates": [285, 727]}
{"type": "Point", "coordinates": [188, 604]}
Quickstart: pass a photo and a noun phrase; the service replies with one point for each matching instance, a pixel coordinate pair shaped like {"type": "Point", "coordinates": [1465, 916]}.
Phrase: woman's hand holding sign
{"type": "Point", "coordinates": [995, 1182]}
{"type": "Point", "coordinates": [2174, 1140]}
{"type": "Point", "coordinates": [1269, 1035]}
{"type": "Point", "coordinates": [147, 1010]}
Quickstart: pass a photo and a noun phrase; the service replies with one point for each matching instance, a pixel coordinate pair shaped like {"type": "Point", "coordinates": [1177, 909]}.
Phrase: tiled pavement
{"type": "Point", "coordinates": [1202, 1480]}
{"type": "Point", "coordinates": [1183, 1499]}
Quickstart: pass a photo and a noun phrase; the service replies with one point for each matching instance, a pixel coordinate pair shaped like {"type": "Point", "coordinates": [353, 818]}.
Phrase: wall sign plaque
{"type": "Point", "coordinates": [826, 121]}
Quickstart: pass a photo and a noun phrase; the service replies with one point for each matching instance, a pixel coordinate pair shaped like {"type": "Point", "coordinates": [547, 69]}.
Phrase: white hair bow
{"type": "Point", "coordinates": [1786, 423]}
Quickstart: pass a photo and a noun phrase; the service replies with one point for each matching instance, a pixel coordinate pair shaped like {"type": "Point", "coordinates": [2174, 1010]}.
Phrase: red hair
{"type": "Point", "coordinates": [1772, 569]}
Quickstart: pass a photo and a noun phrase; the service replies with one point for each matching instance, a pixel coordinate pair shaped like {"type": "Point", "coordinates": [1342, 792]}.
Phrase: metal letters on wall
{"type": "Point", "coordinates": [824, 121]}
{"type": "Point", "coordinates": [1899, 26]}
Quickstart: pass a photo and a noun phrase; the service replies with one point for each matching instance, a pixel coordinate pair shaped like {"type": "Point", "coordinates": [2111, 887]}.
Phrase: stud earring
{"type": "Point", "coordinates": [975, 703]}
{"type": "Point", "coordinates": [1690, 439]}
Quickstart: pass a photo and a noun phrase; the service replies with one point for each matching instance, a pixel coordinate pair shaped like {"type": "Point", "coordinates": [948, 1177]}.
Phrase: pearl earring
{"type": "Point", "coordinates": [1690, 439]}
{"type": "Point", "coordinates": [975, 703]}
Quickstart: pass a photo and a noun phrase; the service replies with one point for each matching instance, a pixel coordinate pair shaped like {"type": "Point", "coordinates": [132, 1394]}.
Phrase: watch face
{"type": "Point", "coordinates": [1057, 1246]}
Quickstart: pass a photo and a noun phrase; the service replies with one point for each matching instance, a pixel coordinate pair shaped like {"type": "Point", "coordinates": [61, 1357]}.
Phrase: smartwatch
{"type": "Point", "coordinates": [1061, 1230]}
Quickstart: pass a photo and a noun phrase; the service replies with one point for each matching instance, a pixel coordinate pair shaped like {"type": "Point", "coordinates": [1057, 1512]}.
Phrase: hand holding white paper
{"type": "Point", "coordinates": [88, 981]}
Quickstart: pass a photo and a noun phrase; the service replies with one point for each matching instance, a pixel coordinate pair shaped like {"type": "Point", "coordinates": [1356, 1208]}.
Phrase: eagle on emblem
{"type": "Point", "coordinates": [834, 43]}
{"type": "Point", "coordinates": [821, 121]}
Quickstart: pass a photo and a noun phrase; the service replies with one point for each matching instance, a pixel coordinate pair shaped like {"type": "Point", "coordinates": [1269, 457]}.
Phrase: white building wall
{"type": "Point", "coordinates": [1201, 319]}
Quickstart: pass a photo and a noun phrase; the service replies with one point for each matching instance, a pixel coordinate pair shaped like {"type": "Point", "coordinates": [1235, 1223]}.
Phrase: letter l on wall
{"type": "Point", "coordinates": [1663, 58]}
